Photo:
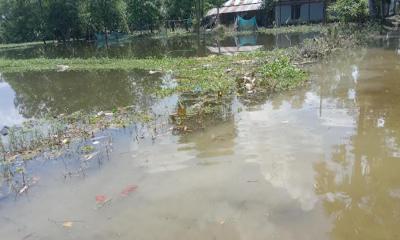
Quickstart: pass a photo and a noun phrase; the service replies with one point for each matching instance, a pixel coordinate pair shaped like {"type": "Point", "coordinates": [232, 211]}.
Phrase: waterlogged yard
{"type": "Point", "coordinates": [231, 141]}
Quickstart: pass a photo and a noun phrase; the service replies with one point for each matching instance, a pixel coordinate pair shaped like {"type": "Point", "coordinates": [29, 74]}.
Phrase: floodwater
{"type": "Point", "coordinates": [320, 162]}
{"type": "Point", "coordinates": [39, 94]}
{"type": "Point", "coordinates": [189, 46]}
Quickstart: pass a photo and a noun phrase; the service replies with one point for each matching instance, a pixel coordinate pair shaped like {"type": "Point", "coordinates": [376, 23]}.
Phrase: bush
{"type": "Point", "coordinates": [220, 30]}
{"type": "Point", "coordinates": [349, 10]}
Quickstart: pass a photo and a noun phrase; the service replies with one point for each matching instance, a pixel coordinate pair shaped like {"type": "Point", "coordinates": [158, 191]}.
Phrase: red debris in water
{"type": "Point", "coordinates": [100, 199]}
{"type": "Point", "coordinates": [129, 189]}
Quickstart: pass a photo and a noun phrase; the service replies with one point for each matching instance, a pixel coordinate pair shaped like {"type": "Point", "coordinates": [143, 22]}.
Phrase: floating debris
{"type": "Point", "coordinates": [127, 190]}
{"type": "Point", "coordinates": [23, 189]}
{"type": "Point", "coordinates": [153, 72]}
{"type": "Point", "coordinates": [90, 156]}
{"type": "Point", "coordinates": [62, 68]}
{"type": "Point", "coordinates": [101, 199]}
{"type": "Point", "coordinates": [4, 131]}
{"type": "Point", "coordinates": [67, 224]}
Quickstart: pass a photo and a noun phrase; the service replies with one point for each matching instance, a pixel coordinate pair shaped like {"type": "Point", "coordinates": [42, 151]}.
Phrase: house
{"type": "Point", "coordinates": [245, 8]}
{"type": "Point", "coordinates": [284, 12]}
{"type": "Point", "coordinates": [299, 11]}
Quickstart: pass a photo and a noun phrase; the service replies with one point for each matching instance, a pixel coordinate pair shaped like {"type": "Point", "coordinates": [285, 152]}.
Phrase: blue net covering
{"type": "Point", "coordinates": [113, 36]}
{"type": "Point", "coordinates": [246, 25]}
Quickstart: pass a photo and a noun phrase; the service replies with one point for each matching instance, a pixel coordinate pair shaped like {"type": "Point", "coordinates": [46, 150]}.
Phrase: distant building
{"type": "Point", "coordinates": [284, 12]}
{"type": "Point", "coordinates": [299, 11]}
{"type": "Point", "coordinates": [244, 8]}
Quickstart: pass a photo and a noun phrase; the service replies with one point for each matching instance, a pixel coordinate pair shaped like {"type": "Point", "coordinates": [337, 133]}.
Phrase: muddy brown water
{"type": "Point", "coordinates": [320, 162]}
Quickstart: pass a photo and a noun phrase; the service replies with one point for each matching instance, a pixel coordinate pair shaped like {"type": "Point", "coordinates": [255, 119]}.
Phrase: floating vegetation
{"type": "Point", "coordinates": [196, 112]}
{"type": "Point", "coordinates": [87, 149]}
{"type": "Point", "coordinates": [206, 88]}
{"type": "Point", "coordinates": [54, 134]}
{"type": "Point", "coordinates": [280, 74]}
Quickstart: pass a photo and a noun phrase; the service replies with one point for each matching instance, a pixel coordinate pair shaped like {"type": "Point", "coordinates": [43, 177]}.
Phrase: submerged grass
{"type": "Point", "coordinates": [206, 85]}
{"type": "Point", "coordinates": [202, 75]}
{"type": "Point", "coordinates": [281, 74]}
{"type": "Point", "coordinates": [52, 134]}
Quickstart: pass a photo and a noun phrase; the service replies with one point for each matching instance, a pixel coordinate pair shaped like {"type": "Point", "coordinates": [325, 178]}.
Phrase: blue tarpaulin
{"type": "Point", "coordinates": [246, 25]}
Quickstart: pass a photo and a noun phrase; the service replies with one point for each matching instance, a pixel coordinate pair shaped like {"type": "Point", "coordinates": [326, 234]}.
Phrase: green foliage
{"type": "Point", "coordinates": [281, 74]}
{"type": "Point", "coordinates": [179, 9]}
{"type": "Point", "coordinates": [37, 20]}
{"type": "Point", "coordinates": [87, 149]}
{"type": "Point", "coordinates": [64, 20]}
{"type": "Point", "coordinates": [21, 20]}
{"type": "Point", "coordinates": [108, 15]}
{"type": "Point", "coordinates": [349, 10]}
{"type": "Point", "coordinates": [268, 5]}
{"type": "Point", "coordinates": [144, 14]}
{"type": "Point", "coordinates": [40, 20]}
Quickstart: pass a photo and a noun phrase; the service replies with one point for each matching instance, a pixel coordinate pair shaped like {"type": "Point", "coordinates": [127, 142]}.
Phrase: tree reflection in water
{"type": "Point", "coordinates": [51, 93]}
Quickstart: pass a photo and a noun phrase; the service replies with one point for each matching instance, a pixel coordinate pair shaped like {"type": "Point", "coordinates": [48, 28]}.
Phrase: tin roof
{"type": "Point", "coordinates": [231, 3]}
{"type": "Point", "coordinates": [233, 6]}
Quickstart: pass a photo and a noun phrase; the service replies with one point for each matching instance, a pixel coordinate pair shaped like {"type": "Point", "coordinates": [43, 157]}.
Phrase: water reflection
{"type": "Point", "coordinates": [359, 180]}
{"type": "Point", "coordinates": [9, 115]}
{"type": "Point", "coordinates": [257, 41]}
{"type": "Point", "coordinates": [138, 48]}
{"type": "Point", "coordinates": [141, 47]}
{"type": "Point", "coordinates": [217, 140]}
{"type": "Point", "coordinates": [43, 93]}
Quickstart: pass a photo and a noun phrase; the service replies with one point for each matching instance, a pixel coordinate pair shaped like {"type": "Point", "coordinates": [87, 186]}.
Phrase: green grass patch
{"type": "Point", "coordinates": [281, 74]}
{"type": "Point", "coordinates": [198, 75]}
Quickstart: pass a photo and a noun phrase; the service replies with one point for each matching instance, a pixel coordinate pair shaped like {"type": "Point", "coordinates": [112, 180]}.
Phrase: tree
{"type": "Point", "coordinates": [349, 10]}
{"type": "Point", "coordinates": [268, 7]}
{"type": "Point", "coordinates": [372, 8]}
{"type": "Point", "coordinates": [144, 14]}
{"type": "Point", "coordinates": [21, 20]}
{"type": "Point", "coordinates": [179, 9]}
{"type": "Point", "coordinates": [108, 15]}
{"type": "Point", "coordinates": [64, 19]}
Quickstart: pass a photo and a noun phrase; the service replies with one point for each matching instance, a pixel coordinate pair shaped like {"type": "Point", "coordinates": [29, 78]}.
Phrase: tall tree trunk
{"type": "Point", "coordinates": [198, 15]}
{"type": "Point", "coordinates": [372, 9]}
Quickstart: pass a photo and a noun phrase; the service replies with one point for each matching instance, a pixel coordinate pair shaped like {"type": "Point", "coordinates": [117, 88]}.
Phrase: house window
{"type": "Point", "coordinates": [296, 10]}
